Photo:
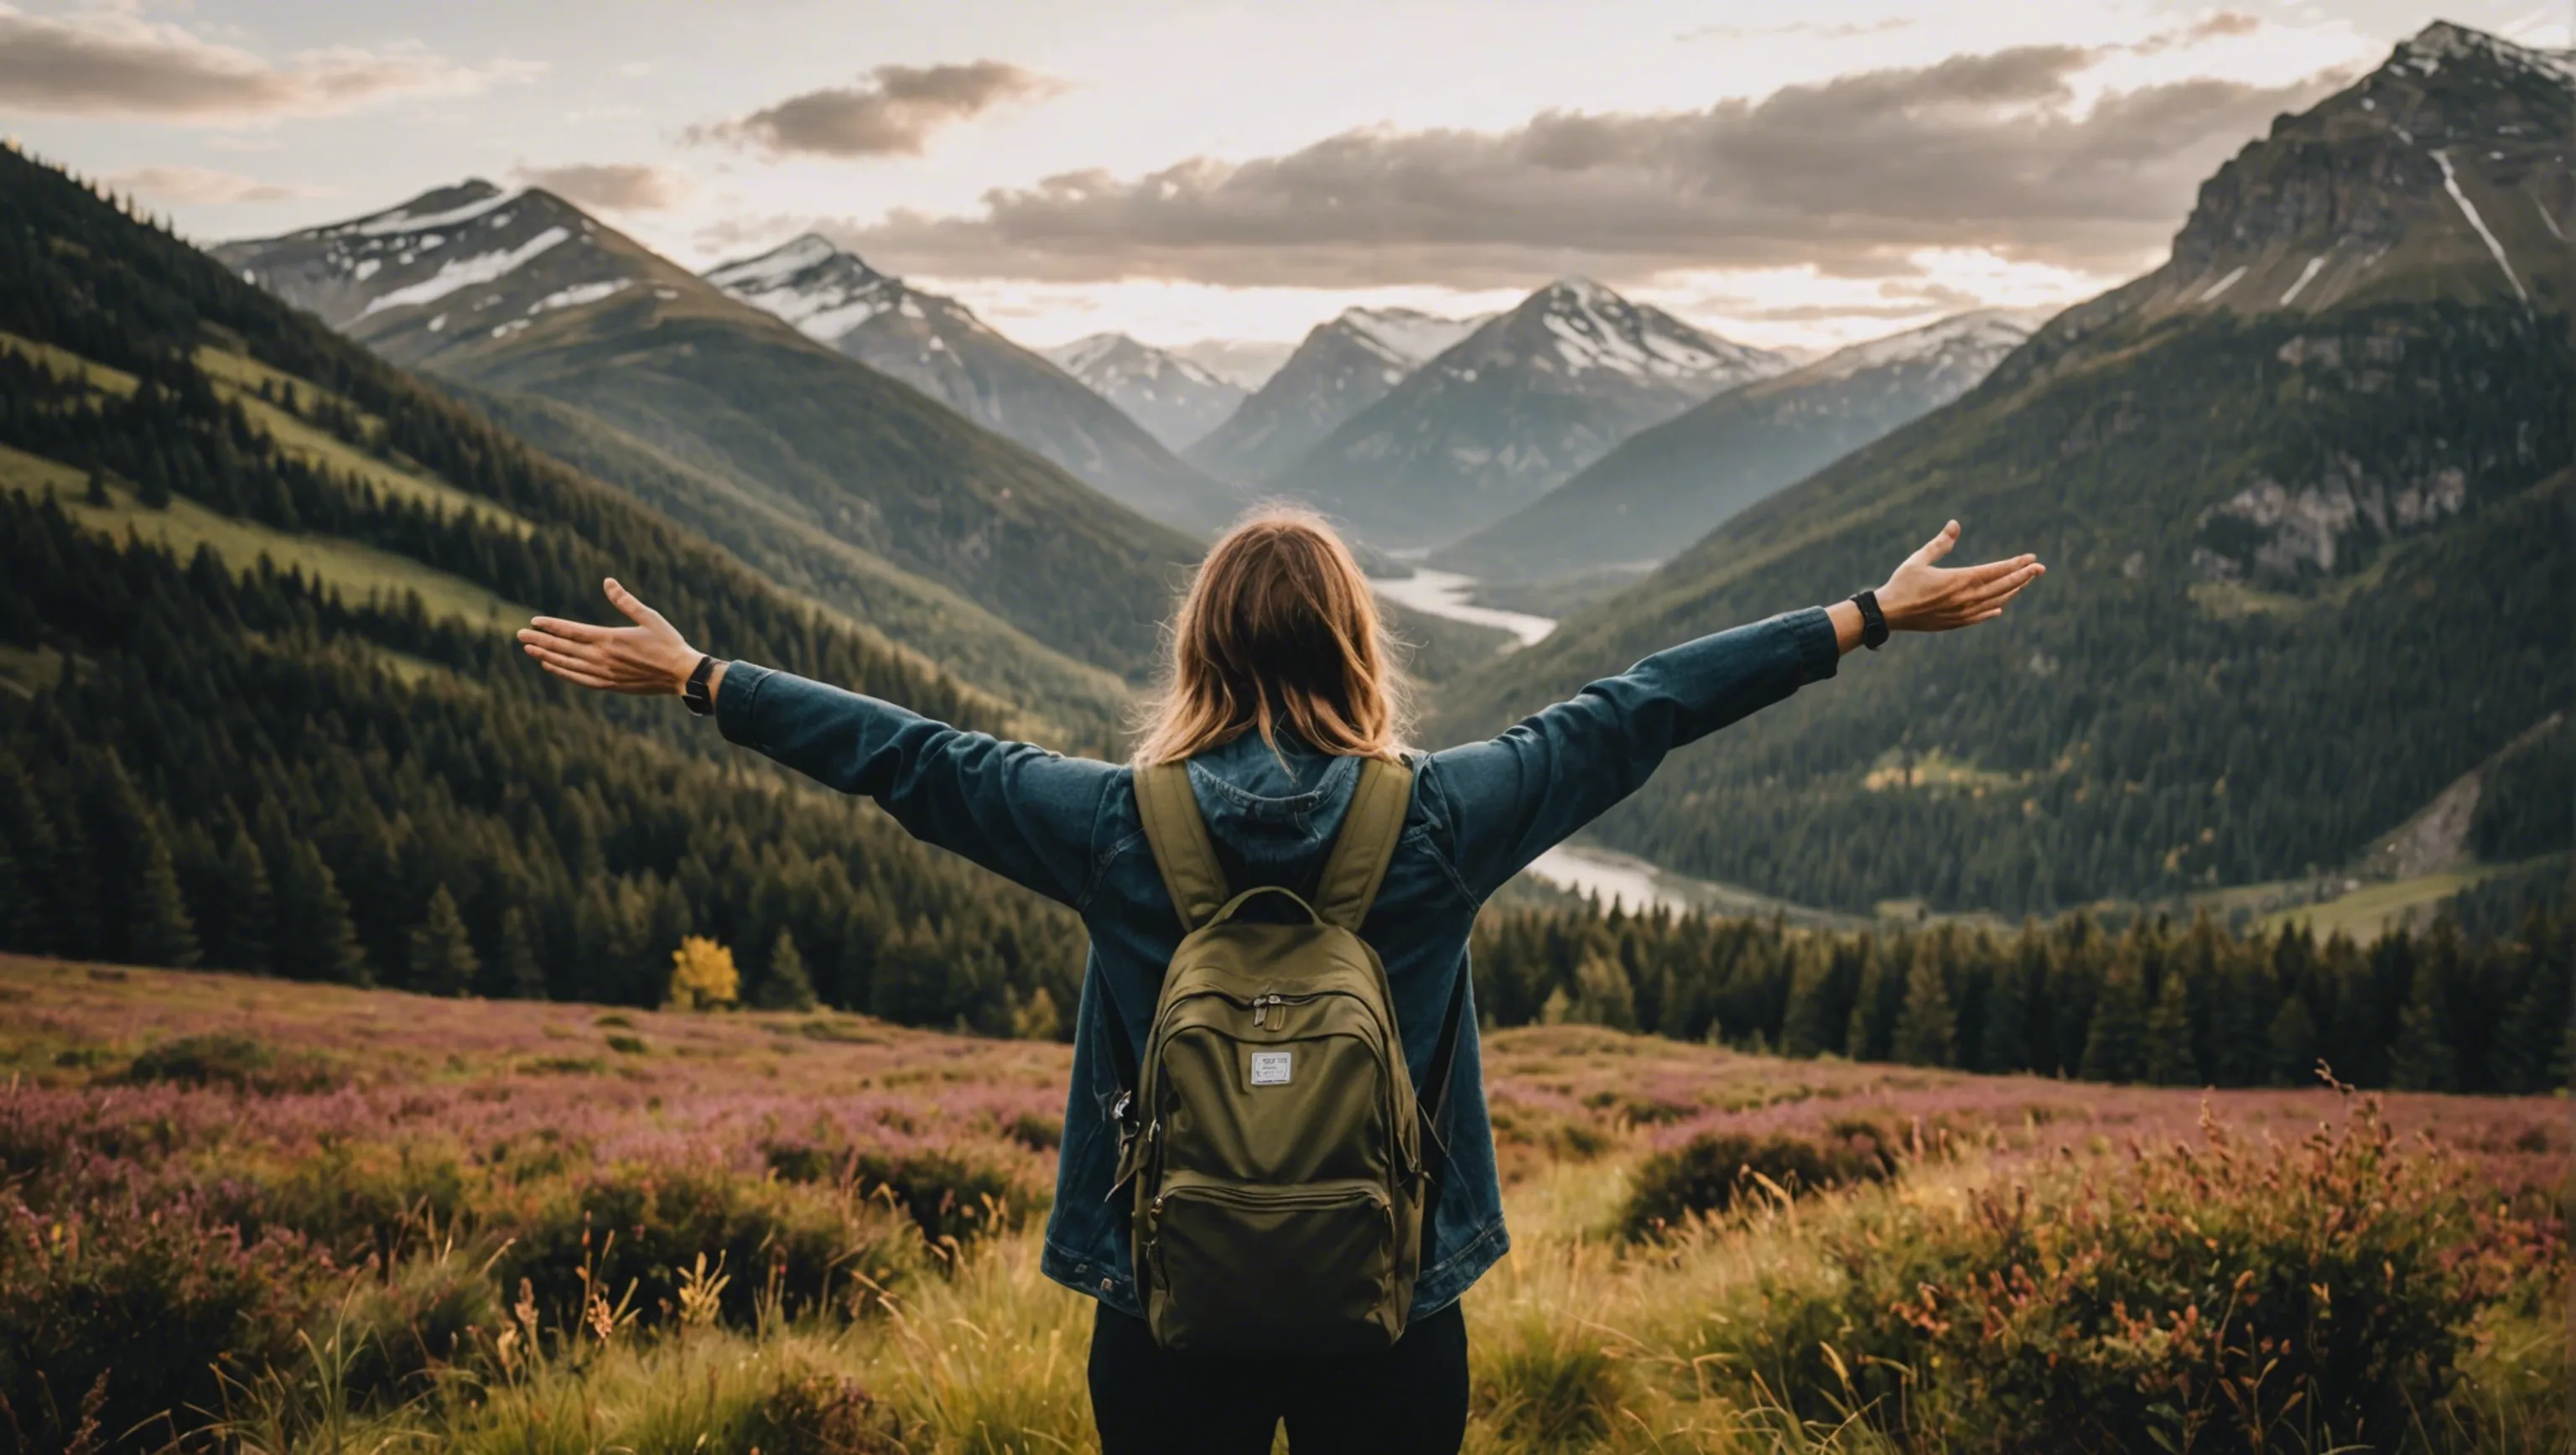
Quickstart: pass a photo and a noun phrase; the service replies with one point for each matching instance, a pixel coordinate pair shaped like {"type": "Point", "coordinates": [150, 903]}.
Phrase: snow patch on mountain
{"type": "Point", "coordinates": [822, 291]}
{"type": "Point", "coordinates": [465, 272]}
{"type": "Point", "coordinates": [1404, 337]}
{"type": "Point", "coordinates": [2451, 184]}
{"type": "Point", "coordinates": [1989, 333]}
{"type": "Point", "coordinates": [402, 219]}
{"type": "Point", "coordinates": [579, 294]}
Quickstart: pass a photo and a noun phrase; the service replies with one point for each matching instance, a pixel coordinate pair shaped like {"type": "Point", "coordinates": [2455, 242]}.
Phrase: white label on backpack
{"type": "Point", "coordinates": [1270, 1068]}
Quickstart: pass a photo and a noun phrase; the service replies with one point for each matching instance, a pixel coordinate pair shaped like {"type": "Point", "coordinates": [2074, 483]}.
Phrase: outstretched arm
{"type": "Point", "coordinates": [1017, 809]}
{"type": "Point", "coordinates": [1516, 796]}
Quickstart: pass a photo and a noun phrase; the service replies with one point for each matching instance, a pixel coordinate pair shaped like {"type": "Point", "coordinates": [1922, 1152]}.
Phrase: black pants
{"type": "Point", "coordinates": [1409, 1400]}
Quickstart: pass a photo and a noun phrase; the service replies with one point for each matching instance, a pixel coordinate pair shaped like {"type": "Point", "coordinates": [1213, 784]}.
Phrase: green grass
{"type": "Point", "coordinates": [28, 671]}
{"type": "Point", "coordinates": [71, 365]}
{"type": "Point", "coordinates": [184, 525]}
{"type": "Point", "coordinates": [304, 443]}
{"type": "Point", "coordinates": [237, 378]}
{"type": "Point", "coordinates": [2372, 910]}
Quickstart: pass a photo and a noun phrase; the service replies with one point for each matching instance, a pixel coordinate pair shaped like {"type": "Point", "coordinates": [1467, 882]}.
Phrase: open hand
{"type": "Point", "coordinates": [1924, 597]}
{"type": "Point", "coordinates": [648, 659]}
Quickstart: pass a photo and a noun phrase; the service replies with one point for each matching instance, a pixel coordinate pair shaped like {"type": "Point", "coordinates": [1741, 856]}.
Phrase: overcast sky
{"type": "Point", "coordinates": [1245, 170]}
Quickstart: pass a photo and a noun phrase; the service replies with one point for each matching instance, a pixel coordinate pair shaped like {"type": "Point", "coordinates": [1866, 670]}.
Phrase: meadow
{"type": "Point", "coordinates": [254, 1215]}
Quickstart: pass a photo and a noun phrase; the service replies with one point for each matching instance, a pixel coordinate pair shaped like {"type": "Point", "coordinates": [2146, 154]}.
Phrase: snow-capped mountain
{"type": "Point", "coordinates": [1667, 486]}
{"type": "Point", "coordinates": [938, 346]}
{"type": "Point", "coordinates": [1341, 368]}
{"type": "Point", "coordinates": [1175, 400]}
{"type": "Point", "coordinates": [2441, 174]}
{"type": "Point", "coordinates": [466, 269]}
{"type": "Point", "coordinates": [1512, 410]}
{"type": "Point", "coordinates": [663, 384]}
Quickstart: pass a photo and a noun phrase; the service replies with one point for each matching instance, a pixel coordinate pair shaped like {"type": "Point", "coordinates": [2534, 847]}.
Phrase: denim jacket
{"type": "Point", "coordinates": [1068, 828]}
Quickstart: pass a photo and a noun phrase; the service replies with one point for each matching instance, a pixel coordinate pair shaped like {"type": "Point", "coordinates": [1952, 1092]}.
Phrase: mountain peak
{"type": "Point", "coordinates": [2442, 173]}
{"type": "Point", "coordinates": [2425, 51]}
{"type": "Point", "coordinates": [810, 283]}
{"type": "Point", "coordinates": [1574, 325]}
{"type": "Point", "coordinates": [1575, 288]}
{"type": "Point", "coordinates": [1403, 337]}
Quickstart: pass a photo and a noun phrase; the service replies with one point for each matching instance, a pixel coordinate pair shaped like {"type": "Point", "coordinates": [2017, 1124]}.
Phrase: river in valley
{"type": "Point", "coordinates": [1445, 593]}
{"type": "Point", "coordinates": [1585, 870]}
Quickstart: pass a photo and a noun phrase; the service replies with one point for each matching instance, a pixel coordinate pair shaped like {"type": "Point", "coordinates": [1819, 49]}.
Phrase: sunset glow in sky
{"type": "Point", "coordinates": [1210, 170]}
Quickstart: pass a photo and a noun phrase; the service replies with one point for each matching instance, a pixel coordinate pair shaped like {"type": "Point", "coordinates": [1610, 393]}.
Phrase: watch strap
{"type": "Point", "coordinates": [695, 693]}
{"type": "Point", "coordinates": [1873, 622]}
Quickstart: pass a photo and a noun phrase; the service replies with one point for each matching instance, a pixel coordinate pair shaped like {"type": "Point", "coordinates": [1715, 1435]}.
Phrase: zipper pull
{"type": "Point", "coordinates": [1260, 1008]}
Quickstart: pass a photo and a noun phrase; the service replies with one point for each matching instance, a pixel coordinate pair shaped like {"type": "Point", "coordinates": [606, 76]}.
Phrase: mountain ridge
{"type": "Point", "coordinates": [1671, 483]}
{"type": "Point", "coordinates": [1511, 411]}
{"type": "Point", "coordinates": [939, 346]}
{"type": "Point", "coordinates": [521, 291]}
{"type": "Point", "coordinates": [1176, 400]}
{"type": "Point", "coordinates": [1342, 366]}
{"type": "Point", "coordinates": [2281, 527]}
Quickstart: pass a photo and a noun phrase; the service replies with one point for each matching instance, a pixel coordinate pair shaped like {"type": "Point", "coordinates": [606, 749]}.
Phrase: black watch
{"type": "Point", "coordinates": [695, 694]}
{"type": "Point", "coordinates": [1873, 622]}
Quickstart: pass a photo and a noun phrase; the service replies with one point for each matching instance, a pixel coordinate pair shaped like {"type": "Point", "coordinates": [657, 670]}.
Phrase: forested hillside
{"type": "Point", "coordinates": [320, 755]}
{"type": "Point", "coordinates": [790, 550]}
{"type": "Point", "coordinates": [525, 292]}
{"type": "Point", "coordinates": [2303, 493]}
{"type": "Point", "coordinates": [2479, 1008]}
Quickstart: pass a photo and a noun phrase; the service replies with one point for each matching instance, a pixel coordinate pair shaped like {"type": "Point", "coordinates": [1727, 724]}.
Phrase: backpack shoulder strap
{"type": "Point", "coordinates": [1179, 838]}
{"type": "Point", "coordinates": [1366, 844]}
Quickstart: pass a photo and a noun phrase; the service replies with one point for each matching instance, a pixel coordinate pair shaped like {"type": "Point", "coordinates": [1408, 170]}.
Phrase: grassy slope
{"type": "Point", "coordinates": [789, 546]}
{"type": "Point", "coordinates": [358, 571]}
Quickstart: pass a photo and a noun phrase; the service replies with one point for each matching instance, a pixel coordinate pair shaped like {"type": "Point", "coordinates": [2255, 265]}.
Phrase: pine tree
{"type": "Point", "coordinates": [1603, 995]}
{"type": "Point", "coordinates": [315, 938]}
{"type": "Point", "coordinates": [1866, 1036]}
{"type": "Point", "coordinates": [442, 959]}
{"type": "Point", "coordinates": [2003, 1044]}
{"type": "Point", "coordinates": [2236, 1023]}
{"type": "Point", "coordinates": [911, 985]}
{"type": "Point", "coordinates": [2114, 1043]}
{"type": "Point", "coordinates": [2294, 1044]}
{"type": "Point", "coordinates": [239, 912]}
{"type": "Point", "coordinates": [2422, 1059]}
{"type": "Point", "coordinates": [514, 972]}
{"type": "Point", "coordinates": [1036, 1019]}
{"type": "Point", "coordinates": [1811, 1024]}
{"type": "Point", "coordinates": [147, 923]}
{"type": "Point", "coordinates": [2169, 1059]}
{"type": "Point", "coordinates": [786, 986]}
{"type": "Point", "coordinates": [1926, 1032]}
{"type": "Point", "coordinates": [158, 931]}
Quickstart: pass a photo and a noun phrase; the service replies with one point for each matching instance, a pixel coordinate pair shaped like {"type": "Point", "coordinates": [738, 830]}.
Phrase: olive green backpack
{"type": "Point", "coordinates": [1272, 1132]}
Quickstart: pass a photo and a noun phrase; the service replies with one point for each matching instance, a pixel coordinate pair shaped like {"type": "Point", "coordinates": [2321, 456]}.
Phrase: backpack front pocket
{"type": "Point", "coordinates": [1246, 1268]}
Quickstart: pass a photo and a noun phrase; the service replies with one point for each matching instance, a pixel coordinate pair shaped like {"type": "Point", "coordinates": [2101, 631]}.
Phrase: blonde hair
{"type": "Point", "coordinates": [1279, 631]}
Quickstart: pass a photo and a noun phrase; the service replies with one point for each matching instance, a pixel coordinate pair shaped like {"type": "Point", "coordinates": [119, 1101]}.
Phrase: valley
{"type": "Point", "coordinates": [2140, 1023]}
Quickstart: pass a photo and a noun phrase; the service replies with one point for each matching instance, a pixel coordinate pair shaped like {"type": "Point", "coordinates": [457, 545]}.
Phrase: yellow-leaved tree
{"type": "Point", "coordinates": [703, 976]}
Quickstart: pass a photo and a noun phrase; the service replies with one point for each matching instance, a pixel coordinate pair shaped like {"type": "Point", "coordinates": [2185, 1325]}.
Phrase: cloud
{"type": "Point", "coordinates": [1796, 27]}
{"type": "Point", "coordinates": [620, 186]}
{"type": "Point", "coordinates": [110, 63]}
{"type": "Point", "coordinates": [1851, 176]}
{"type": "Point", "coordinates": [2224, 25]}
{"type": "Point", "coordinates": [892, 113]}
{"type": "Point", "coordinates": [207, 185]}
